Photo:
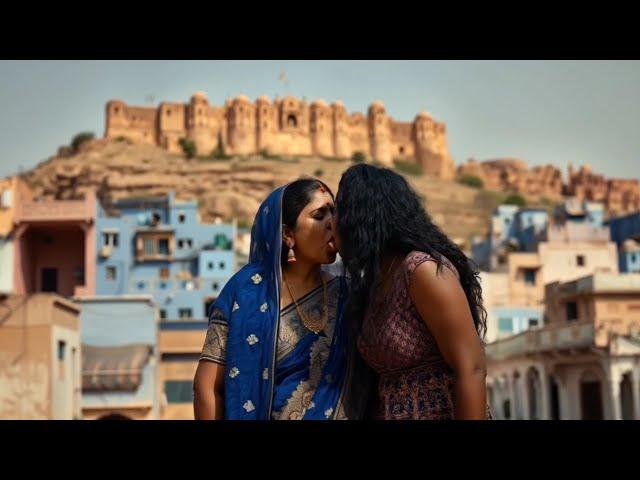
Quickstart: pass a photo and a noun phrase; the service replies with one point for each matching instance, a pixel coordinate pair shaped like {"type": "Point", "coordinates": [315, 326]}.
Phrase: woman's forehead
{"type": "Point", "coordinates": [319, 199]}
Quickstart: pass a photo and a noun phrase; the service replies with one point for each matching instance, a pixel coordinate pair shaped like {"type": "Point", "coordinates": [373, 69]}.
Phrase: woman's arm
{"type": "Point", "coordinates": [443, 305]}
{"type": "Point", "coordinates": [208, 391]}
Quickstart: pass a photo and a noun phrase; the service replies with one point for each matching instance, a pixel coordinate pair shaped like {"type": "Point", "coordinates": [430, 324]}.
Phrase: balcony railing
{"type": "Point", "coordinates": [551, 337]}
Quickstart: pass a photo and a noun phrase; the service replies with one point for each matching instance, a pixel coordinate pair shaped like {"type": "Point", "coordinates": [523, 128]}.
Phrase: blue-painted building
{"type": "Point", "coordinates": [511, 229]}
{"type": "Point", "coordinates": [577, 211]}
{"type": "Point", "coordinates": [625, 232]}
{"type": "Point", "coordinates": [515, 319]}
{"type": "Point", "coordinates": [157, 246]}
{"type": "Point", "coordinates": [120, 357]}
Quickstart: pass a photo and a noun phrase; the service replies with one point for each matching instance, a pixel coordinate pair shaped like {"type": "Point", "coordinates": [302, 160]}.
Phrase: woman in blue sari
{"type": "Point", "coordinates": [277, 346]}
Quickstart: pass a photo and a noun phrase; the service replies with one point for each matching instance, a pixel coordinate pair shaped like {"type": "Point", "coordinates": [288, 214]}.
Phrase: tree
{"type": "Point", "coordinates": [219, 152]}
{"type": "Point", "coordinates": [472, 181]}
{"type": "Point", "coordinates": [188, 147]}
{"type": "Point", "coordinates": [515, 199]}
{"type": "Point", "coordinates": [358, 157]}
{"type": "Point", "coordinates": [81, 138]}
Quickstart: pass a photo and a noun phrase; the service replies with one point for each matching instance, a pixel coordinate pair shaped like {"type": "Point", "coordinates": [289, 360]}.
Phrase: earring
{"type": "Point", "coordinates": [291, 256]}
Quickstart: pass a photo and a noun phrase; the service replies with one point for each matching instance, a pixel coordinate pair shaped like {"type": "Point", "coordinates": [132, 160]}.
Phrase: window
{"type": "Point", "coordinates": [580, 260]}
{"type": "Point", "coordinates": [164, 272]}
{"type": "Point", "coordinates": [163, 314]}
{"type": "Point", "coordinates": [533, 322]}
{"type": "Point", "coordinates": [62, 347]}
{"type": "Point", "coordinates": [506, 409]}
{"type": "Point", "coordinates": [163, 285]}
{"type": "Point", "coordinates": [110, 239]}
{"type": "Point", "coordinates": [149, 246]}
{"type": "Point", "coordinates": [5, 198]}
{"type": "Point", "coordinates": [179, 391]}
{"type": "Point", "coordinates": [189, 243]}
{"type": "Point", "coordinates": [221, 265]}
{"type": "Point", "coordinates": [188, 285]}
{"type": "Point", "coordinates": [216, 286]}
{"type": "Point", "coordinates": [181, 217]}
{"type": "Point", "coordinates": [78, 274]}
{"type": "Point", "coordinates": [185, 313]}
{"type": "Point", "coordinates": [141, 285]}
{"type": "Point", "coordinates": [505, 325]}
{"type": "Point", "coordinates": [163, 245]}
{"type": "Point", "coordinates": [529, 276]}
{"type": "Point", "coordinates": [111, 273]}
{"type": "Point", "coordinates": [632, 257]}
{"type": "Point", "coordinates": [180, 243]}
{"type": "Point", "coordinates": [210, 265]}
{"type": "Point", "coordinates": [572, 311]}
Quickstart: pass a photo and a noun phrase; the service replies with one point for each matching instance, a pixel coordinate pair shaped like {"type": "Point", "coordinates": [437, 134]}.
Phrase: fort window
{"type": "Point", "coordinates": [533, 322]}
{"type": "Point", "coordinates": [572, 311]}
{"type": "Point", "coordinates": [116, 110]}
{"type": "Point", "coordinates": [580, 260]}
{"type": "Point", "coordinates": [401, 150]}
{"type": "Point", "coordinates": [292, 121]}
{"type": "Point", "coordinates": [168, 113]}
{"type": "Point", "coordinates": [181, 218]}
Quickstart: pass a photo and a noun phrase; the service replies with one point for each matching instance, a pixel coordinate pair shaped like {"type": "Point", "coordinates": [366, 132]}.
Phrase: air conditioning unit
{"type": "Point", "coordinates": [105, 251]}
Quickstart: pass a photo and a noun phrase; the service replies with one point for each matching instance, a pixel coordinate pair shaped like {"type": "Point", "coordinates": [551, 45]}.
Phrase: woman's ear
{"type": "Point", "coordinates": [287, 236]}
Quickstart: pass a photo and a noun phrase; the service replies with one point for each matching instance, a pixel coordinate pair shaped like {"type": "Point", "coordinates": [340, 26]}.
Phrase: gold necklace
{"type": "Point", "coordinates": [316, 325]}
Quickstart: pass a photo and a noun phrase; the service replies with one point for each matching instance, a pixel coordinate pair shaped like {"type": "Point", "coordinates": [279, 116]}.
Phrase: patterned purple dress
{"type": "Point", "coordinates": [415, 382]}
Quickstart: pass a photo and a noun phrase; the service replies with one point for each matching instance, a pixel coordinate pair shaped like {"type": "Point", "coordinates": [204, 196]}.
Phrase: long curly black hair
{"type": "Point", "coordinates": [379, 214]}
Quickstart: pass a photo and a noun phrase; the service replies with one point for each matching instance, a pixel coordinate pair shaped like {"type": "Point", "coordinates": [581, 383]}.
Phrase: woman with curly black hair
{"type": "Point", "coordinates": [415, 301]}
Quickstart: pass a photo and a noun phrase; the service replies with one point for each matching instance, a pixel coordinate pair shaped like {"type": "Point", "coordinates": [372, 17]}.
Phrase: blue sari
{"type": "Point", "coordinates": [310, 381]}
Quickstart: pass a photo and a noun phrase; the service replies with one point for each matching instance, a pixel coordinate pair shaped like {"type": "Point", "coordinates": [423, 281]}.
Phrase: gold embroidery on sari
{"type": "Point", "coordinates": [215, 343]}
{"type": "Point", "coordinates": [291, 332]}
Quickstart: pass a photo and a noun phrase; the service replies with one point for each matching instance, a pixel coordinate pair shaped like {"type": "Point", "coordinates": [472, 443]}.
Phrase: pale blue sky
{"type": "Point", "coordinates": [542, 111]}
